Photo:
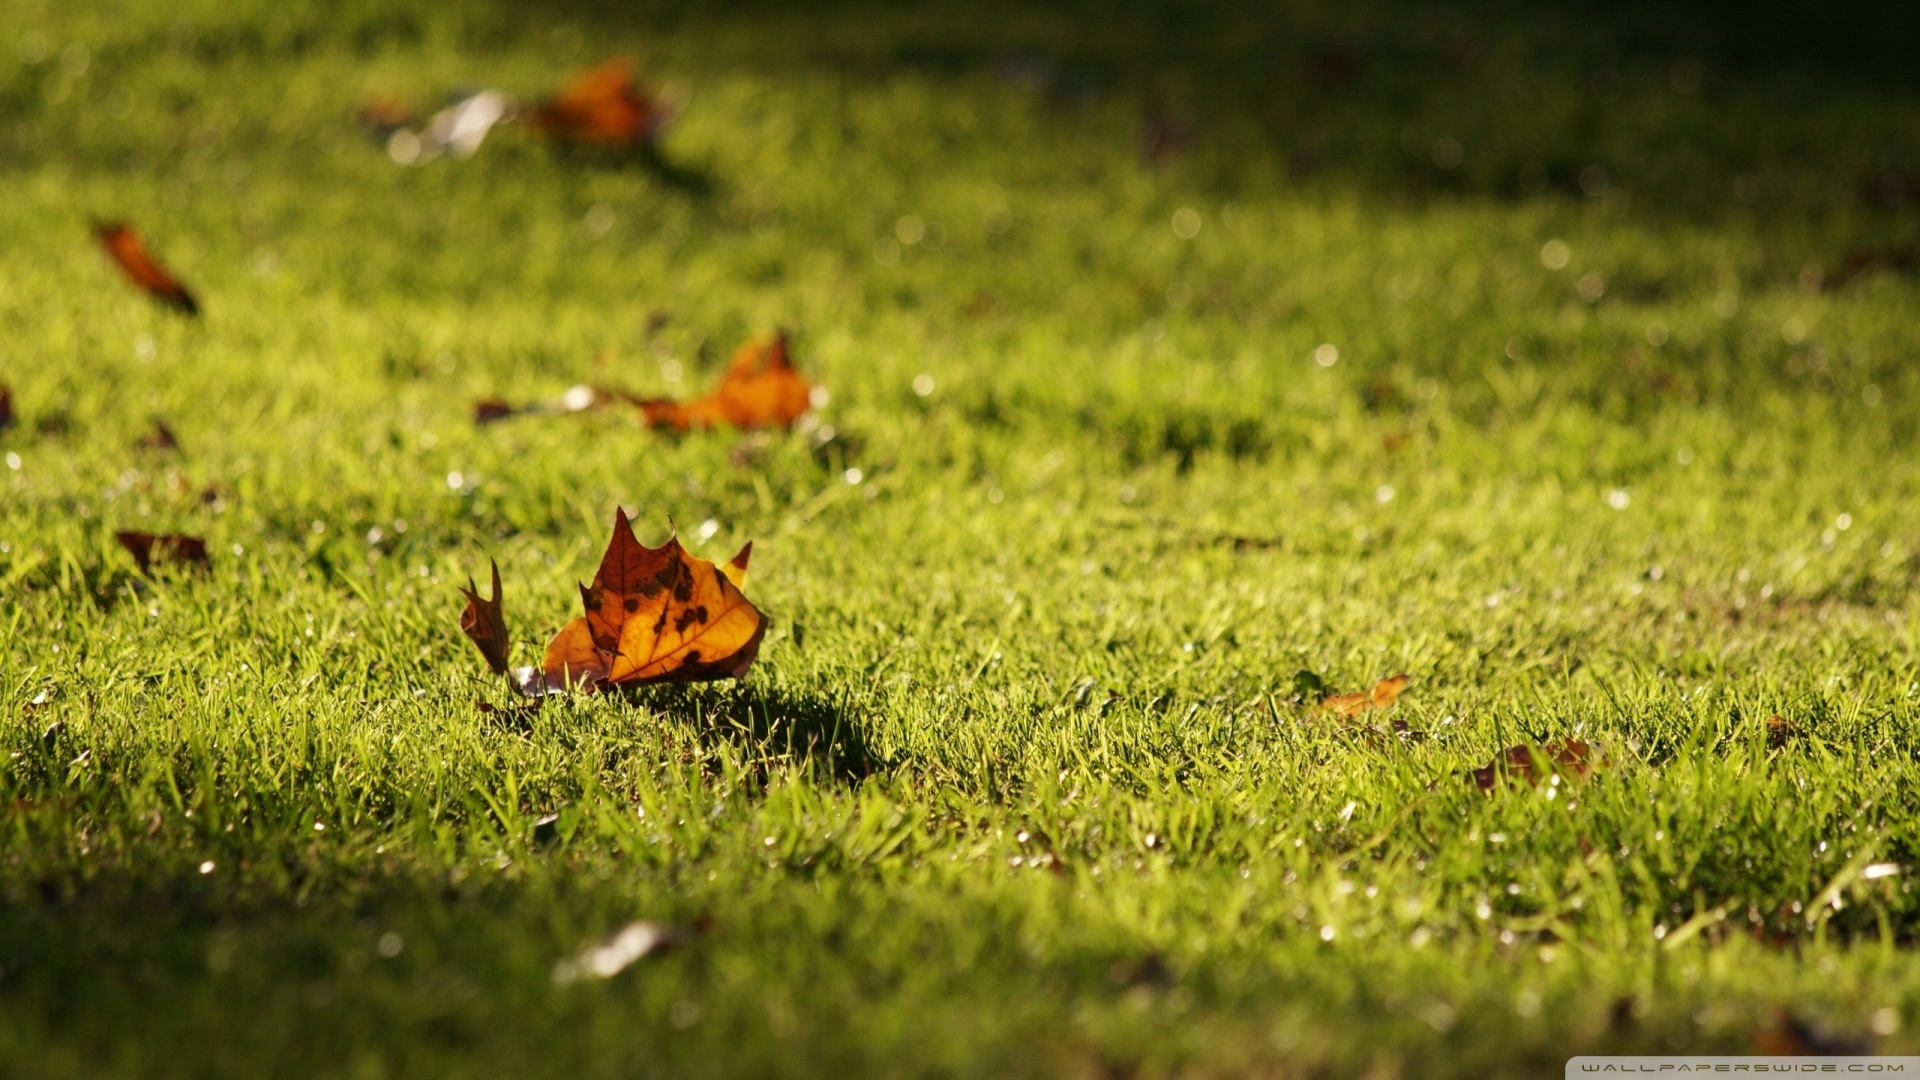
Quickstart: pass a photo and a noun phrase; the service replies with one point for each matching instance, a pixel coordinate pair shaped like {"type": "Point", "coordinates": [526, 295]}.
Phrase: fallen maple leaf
{"type": "Point", "coordinates": [1384, 693]}
{"type": "Point", "coordinates": [761, 389]}
{"type": "Point", "coordinates": [126, 249]}
{"type": "Point", "coordinates": [150, 548]}
{"type": "Point", "coordinates": [1568, 757]}
{"type": "Point", "coordinates": [657, 615]}
{"type": "Point", "coordinates": [604, 106]}
{"type": "Point", "coordinates": [485, 621]}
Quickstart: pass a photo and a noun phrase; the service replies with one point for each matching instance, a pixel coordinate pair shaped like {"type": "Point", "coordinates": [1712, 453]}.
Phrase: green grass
{"type": "Point", "coordinates": [1020, 784]}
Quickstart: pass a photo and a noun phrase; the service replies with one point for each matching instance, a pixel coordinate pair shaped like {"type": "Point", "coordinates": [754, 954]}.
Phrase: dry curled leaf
{"type": "Point", "coordinates": [761, 390]}
{"type": "Point", "coordinates": [150, 548]}
{"type": "Point", "coordinates": [485, 621]}
{"type": "Point", "coordinates": [657, 615]}
{"type": "Point", "coordinates": [1384, 694]}
{"type": "Point", "coordinates": [1567, 757]}
{"type": "Point", "coordinates": [127, 250]}
{"type": "Point", "coordinates": [606, 107]}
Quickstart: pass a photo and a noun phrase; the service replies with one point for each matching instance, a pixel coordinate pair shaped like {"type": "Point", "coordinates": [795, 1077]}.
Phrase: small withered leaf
{"type": "Point", "coordinates": [760, 390]}
{"type": "Point", "coordinates": [657, 615]}
{"type": "Point", "coordinates": [1383, 695]}
{"type": "Point", "coordinates": [1566, 757]}
{"type": "Point", "coordinates": [605, 107]}
{"type": "Point", "coordinates": [150, 548]}
{"type": "Point", "coordinates": [127, 250]}
{"type": "Point", "coordinates": [485, 621]}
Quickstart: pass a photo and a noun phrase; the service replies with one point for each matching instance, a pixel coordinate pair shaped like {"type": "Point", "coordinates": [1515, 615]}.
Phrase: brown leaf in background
{"type": "Point", "coordinates": [150, 548]}
{"type": "Point", "coordinates": [604, 106]}
{"type": "Point", "coordinates": [1383, 695]}
{"type": "Point", "coordinates": [7, 419]}
{"type": "Point", "coordinates": [1568, 757]}
{"type": "Point", "coordinates": [126, 249]}
{"type": "Point", "coordinates": [657, 615]}
{"type": "Point", "coordinates": [485, 621]}
{"type": "Point", "coordinates": [761, 390]}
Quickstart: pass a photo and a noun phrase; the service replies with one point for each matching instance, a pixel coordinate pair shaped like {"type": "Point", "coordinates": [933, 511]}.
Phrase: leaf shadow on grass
{"type": "Point", "coordinates": [769, 725]}
{"type": "Point", "coordinates": [686, 179]}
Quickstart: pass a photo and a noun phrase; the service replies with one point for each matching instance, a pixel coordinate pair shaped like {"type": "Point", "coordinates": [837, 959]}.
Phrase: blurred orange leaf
{"type": "Point", "coordinates": [127, 250]}
{"type": "Point", "coordinates": [1384, 694]}
{"type": "Point", "coordinates": [760, 390]}
{"type": "Point", "coordinates": [604, 106]}
{"type": "Point", "coordinates": [657, 615]}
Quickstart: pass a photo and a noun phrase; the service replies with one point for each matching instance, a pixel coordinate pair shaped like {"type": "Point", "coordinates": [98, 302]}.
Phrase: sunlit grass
{"type": "Point", "coordinates": [1021, 783]}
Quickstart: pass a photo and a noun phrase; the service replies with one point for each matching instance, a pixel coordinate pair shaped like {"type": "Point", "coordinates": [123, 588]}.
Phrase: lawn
{"type": "Point", "coordinates": [1183, 362]}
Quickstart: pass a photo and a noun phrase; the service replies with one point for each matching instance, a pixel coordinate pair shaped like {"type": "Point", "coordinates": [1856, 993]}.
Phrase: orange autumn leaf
{"type": "Point", "coordinates": [1568, 757]}
{"type": "Point", "coordinates": [127, 250]}
{"type": "Point", "coordinates": [485, 621]}
{"type": "Point", "coordinates": [760, 390]}
{"type": "Point", "coordinates": [657, 615]}
{"type": "Point", "coordinates": [603, 106]}
{"type": "Point", "coordinates": [1384, 693]}
{"type": "Point", "coordinates": [150, 548]}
